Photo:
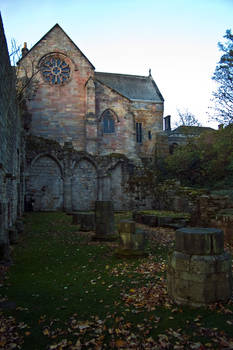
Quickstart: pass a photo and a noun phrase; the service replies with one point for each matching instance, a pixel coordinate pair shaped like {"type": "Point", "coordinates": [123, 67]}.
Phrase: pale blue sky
{"type": "Point", "coordinates": [177, 39]}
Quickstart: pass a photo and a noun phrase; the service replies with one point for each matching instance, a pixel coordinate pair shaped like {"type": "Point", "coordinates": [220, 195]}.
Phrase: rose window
{"type": "Point", "coordinates": [55, 70]}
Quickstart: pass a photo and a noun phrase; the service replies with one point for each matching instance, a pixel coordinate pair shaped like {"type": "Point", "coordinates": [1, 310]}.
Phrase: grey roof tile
{"type": "Point", "coordinates": [133, 87]}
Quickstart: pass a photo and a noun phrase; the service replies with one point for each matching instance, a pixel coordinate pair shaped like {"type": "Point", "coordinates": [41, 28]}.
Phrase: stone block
{"type": "Point", "coordinates": [150, 220]}
{"type": "Point", "coordinates": [164, 220]}
{"type": "Point", "coordinates": [199, 241]}
{"type": "Point", "coordinates": [199, 279]}
{"type": "Point", "coordinates": [132, 244]}
{"type": "Point", "coordinates": [104, 218]}
{"type": "Point", "coordinates": [75, 219]}
{"type": "Point", "coordinates": [87, 221]}
{"type": "Point", "coordinates": [13, 235]}
{"type": "Point", "coordinates": [179, 261]}
{"type": "Point", "coordinates": [126, 226]}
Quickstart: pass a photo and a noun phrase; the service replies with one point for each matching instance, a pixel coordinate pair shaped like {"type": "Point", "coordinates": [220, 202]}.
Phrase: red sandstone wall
{"type": "Point", "coordinates": [123, 140]}
{"type": "Point", "coordinates": [58, 111]}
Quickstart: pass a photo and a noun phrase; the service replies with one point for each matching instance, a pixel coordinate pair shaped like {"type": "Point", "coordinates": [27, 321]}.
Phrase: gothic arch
{"type": "Point", "coordinates": [88, 159]}
{"type": "Point", "coordinates": [114, 114]}
{"type": "Point", "coordinates": [50, 156]}
{"type": "Point", "coordinates": [45, 183]}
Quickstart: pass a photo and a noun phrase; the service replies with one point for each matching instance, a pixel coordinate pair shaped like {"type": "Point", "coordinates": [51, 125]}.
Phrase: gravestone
{"type": "Point", "coordinates": [132, 242]}
{"type": "Point", "coordinates": [104, 221]}
{"type": "Point", "coordinates": [199, 270]}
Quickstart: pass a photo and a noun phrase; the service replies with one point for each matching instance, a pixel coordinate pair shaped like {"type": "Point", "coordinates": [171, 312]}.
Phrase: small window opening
{"type": "Point", "coordinates": [108, 123]}
{"type": "Point", "coordinates": [139, 132]}
{"type": "Point", "coordinates": [149, 135]}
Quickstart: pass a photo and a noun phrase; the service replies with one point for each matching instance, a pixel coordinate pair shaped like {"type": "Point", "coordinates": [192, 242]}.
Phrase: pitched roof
{"type": "Point", "coordinates": [133, 87]}
{"type": "Point", "coordinates": [57, 26]}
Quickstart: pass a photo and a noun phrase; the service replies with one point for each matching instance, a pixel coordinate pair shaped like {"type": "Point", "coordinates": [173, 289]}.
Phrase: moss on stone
{"type": "Point", "coordinates": [36, 143]}
{"type": "Point", "coordinates": [163, 213]}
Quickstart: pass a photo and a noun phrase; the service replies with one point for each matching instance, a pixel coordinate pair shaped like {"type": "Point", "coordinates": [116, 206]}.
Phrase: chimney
{"type": "Point", "coordinates": [24, 50]}
{"type": "Point", "coordinates": [167, 121]}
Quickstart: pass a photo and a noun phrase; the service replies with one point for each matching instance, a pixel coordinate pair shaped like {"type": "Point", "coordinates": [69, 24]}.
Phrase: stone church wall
{"type": "Point", "coordinates": [151, 117]}
{"type": "Point", "coordinates": [11, 150]}
{"type": "Point", "coordinates": [71, 160]}
{"type": "Point", "coordinates": [123, 140]}
{"type": "Point", "coordinates": [58, 111]}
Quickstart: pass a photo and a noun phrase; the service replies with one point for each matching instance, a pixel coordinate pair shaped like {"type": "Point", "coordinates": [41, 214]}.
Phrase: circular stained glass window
{"type": "Point", "coordinates": [55, 70]}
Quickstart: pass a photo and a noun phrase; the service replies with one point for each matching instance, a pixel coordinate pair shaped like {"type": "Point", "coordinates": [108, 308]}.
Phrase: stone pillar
{"type": "Point", "coordinates": [4, 238]}
{"type": "Point", "coordinates": [132, 243]}
{"type": "Point", "coordinates": [67, 193]}
{"type": "Point", "coordinates": [104, 221]}
{"type": "Point", "coordinates": [199, 271]}
{"type": "Point", "coordinates": [67, 180]}
{"type": "Point", "coordinates": [104, 187]}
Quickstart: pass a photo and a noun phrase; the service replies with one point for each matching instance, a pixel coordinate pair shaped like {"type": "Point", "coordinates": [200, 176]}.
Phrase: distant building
{"type": "Point", "coordinates": [181, 134]}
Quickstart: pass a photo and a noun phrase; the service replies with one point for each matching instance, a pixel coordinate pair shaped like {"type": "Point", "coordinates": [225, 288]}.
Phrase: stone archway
{"type": "Point", "coordinates": [45, 184]}
{"type": "Point", "coordinates": [84, 186]}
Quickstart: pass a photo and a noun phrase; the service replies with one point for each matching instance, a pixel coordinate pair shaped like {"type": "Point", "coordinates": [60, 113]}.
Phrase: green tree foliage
{"type": "Point", "coordinates": [204, 161]}
{"type": "Point", "coordinates": [223, 75]}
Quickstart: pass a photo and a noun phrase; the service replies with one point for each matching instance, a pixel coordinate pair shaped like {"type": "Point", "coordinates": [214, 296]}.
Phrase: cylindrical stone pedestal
{"type": "Point", "coordinates": [199, 271]}
{"type": "Point", "coordinates": [132, 243]}
{"type": "Point", "coordinates": [104, 221]}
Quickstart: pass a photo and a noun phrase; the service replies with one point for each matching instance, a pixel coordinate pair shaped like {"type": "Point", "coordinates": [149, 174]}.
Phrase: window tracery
{"type": "Point", "coordinates": [108, 122]}
{"type": "Point", "coordinates": [55, 70]}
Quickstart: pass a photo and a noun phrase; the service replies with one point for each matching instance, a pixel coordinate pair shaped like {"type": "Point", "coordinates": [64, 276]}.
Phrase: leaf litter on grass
{"type": "Point", "coordinates": [143, 292]}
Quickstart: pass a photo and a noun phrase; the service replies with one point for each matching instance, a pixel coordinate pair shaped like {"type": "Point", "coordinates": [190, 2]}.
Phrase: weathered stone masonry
{"type": "Point", "coordinates": [95, 127]}
{"type": "Point", "coordinates": [60, 178]}
{"type": "Point", "coordinates": [11, 150]}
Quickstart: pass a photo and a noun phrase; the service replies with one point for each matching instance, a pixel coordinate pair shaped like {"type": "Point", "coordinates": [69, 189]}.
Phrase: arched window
{"type": "Point", "coordinates": [108, 122]}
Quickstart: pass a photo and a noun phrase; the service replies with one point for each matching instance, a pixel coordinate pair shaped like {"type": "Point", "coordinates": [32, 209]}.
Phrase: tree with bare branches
{"type": "Point", "coordinates": [223, 76]}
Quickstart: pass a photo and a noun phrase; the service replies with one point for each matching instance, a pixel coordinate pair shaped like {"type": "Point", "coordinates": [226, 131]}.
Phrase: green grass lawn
{"type": "Point", "coordinates": [72, 293]}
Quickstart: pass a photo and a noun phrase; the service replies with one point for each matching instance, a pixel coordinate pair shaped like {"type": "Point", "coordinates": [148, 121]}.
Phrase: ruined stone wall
{"type": "Point", "coordinates": [11, 147]}
{"type": "Point", "coordinates": [203, 206]}
{"type": "Point", "coordinates": [58, 110]}
{"type": "Point", "coordinates": [61, 178]}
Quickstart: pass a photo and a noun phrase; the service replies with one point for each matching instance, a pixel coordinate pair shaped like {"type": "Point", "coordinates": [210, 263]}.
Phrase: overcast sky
{"type": "Point", "coordinates": [176, 39]}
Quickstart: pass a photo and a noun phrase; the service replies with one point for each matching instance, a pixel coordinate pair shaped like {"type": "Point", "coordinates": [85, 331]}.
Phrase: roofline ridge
{"type": "Point", "coordinates": [123, 74]}
{"type": "Point", "coordinates": [47, 33]}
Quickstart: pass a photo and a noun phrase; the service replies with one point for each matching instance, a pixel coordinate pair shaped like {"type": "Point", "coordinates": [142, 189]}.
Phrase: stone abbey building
{"type": "Point", "coordinates": [87, 129]}
{"type": "Point", "coordinates": [79, 134]}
